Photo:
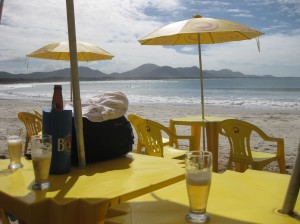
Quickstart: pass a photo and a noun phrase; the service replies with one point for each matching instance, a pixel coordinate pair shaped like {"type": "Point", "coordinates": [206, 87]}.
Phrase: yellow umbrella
{"type": "Point", "coordinates": [60, 51]}
{"type": "Point", "coordinates": [199, 30]}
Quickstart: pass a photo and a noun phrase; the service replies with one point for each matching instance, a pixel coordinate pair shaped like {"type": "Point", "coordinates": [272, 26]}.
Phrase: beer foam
{"type": "Point", "coordinates": [40, 154]}
{"type": "Point", "coordinates": [14, 141]}
{"type": "Point", "coordinates": [198, 177]}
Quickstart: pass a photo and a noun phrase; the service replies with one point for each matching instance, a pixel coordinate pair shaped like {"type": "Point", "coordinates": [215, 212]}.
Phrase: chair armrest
{"type": "Point", "coordinates": [280, 147]}
{"type": "Point", "coordinates": [279, 141]}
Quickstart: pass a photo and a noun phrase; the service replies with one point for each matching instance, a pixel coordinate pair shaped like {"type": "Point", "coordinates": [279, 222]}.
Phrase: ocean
{"type": "Point", "coordinates": [281, 93]}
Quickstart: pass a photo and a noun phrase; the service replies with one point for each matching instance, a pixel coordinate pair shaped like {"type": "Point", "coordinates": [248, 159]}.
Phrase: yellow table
{"type": "Point", "coordinates": [250, 197]}
{"type": "Point", "coordinates": [84, 195]}
{"type": "Point", "coordinates": [211, 127]}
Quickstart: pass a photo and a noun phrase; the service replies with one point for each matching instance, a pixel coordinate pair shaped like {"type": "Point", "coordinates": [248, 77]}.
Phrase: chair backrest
{"type": "Point", "coordinates": [137, 121]}
{"type": "Point", "coordinates": [153, 138]}
{"type": "Point", "coordinates": [32, 122]}
{"type": "Point", "coordinates": [149, 134]}
{"type": "Point", "coordinates": [37, 113]}
{"type": "Point", "coordinates": [33, 125]}
{"type": "Point", "coordinates": [238, 133]}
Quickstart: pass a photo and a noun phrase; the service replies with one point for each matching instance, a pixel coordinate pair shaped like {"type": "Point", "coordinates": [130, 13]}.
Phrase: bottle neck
{"type": "Point", "coordinates": [57, 100]}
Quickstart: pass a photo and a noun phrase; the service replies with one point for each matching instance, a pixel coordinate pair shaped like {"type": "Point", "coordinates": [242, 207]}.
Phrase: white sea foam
{"type": "Point", "coordinates": [259, 92]}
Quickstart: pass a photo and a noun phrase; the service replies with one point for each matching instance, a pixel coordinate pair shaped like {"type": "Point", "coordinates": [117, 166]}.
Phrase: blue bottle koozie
{"type": "Point", "coordinates": [59, 125]}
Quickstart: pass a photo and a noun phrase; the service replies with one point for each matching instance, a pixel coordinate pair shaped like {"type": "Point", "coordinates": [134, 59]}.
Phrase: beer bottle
{"type": "Point", "coordinates": [57, 100]}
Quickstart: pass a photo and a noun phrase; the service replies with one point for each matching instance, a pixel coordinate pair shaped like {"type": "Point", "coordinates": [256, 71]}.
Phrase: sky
{"type": "Point", "coordinates": [116, 26]}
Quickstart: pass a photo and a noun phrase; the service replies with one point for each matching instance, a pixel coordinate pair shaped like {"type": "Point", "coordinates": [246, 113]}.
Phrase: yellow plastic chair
{"type": "Point", "coordinates": [33, 125]}
{"type": "Point", "coordinates": [239, 135]}
{"type": "Point", "coordinates": [152, 133]}
{"type": "Point", "coordinates": [37, 113]}
{"type": "Point", "coordinates": [135, 120]}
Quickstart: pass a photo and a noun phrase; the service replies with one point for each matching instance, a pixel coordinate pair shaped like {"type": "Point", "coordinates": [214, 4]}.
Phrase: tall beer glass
{"type": "Point", "coordinates": [198, 167]}
{"type": "Point", "coordinates": [41, 153]}
{"type": "Point", "coordinates": [14, 145]}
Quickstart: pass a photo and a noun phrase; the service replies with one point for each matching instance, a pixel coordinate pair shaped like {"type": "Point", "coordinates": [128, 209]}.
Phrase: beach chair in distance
{"type": "Point", "coordinates": [33, 125]}
{"type": "Point", "coordinates": [135, 120]}
{"type": "Point", "coordinates": [152, 139]}
{"type": "Point", "coordinates": [239, 135]}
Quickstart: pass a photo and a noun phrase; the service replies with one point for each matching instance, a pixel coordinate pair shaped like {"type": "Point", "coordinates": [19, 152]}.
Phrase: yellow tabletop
{"type": "Point", "coordinates": [250, 197]}
{"type": "Point", "coordinates": [84, 195]}
{"type": "Point", "coordinates": [211, 126]}
{"type": "Point", "coordinates": [194, 120]}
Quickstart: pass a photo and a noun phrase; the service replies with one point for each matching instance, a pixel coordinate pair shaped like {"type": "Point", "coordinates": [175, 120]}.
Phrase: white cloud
{"type": "Point", "coordinates": [291, 7]}
{"type": "Point", "coordinates": [187, 49]}
{"type": "Point", "coordinates": [215, 3]}
{"type": "Point", "coordinates": [280, 56]}
{"type": "Point", "coordinates": [116, 26]}
{"type": "Point", "coordinates": [235, 10]}
{"type": "Point", "coordinates": [243, 15]}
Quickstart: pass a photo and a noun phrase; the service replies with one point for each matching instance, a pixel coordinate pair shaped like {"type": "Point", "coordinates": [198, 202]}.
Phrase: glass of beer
{"type": "Point", "coordinates": [41, 153]}
{"type": "Point", "coordinates": [198, 170]}
{"type": "Point", "coordinates": [14, 145]}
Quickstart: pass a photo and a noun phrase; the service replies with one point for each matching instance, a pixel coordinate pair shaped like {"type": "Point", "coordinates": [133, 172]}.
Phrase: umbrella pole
{"type": "Point", "coordinates": [1, 8]}
{"type": "Point", "coordinates": [201, 77]}
{"type": "Point", "coordinates": [71, 89]}
{"type": "Point", "coordinates": [293, 188]}
{"type": "Point", "coordinates": [202, 94]}
{"type": "Point", "coordinates": [75, 83]}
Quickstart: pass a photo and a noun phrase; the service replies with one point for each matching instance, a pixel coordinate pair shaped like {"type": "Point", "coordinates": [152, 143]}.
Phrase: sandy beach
{"type": "Point", "coordinates": [277, 123]}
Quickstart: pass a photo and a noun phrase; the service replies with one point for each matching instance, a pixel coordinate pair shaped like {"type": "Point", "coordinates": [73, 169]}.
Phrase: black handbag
{"type": "Point", "coordinates": [103, 140]}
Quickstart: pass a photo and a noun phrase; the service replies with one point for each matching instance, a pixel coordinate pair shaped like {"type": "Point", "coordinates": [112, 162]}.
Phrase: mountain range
{"type": "Point", "coordinates": [146, 71]}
